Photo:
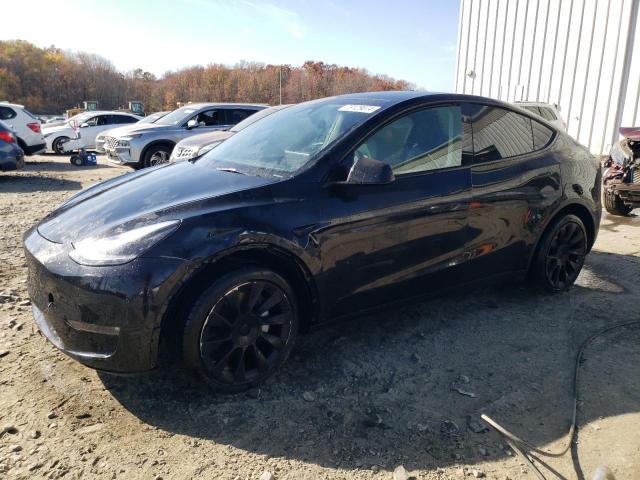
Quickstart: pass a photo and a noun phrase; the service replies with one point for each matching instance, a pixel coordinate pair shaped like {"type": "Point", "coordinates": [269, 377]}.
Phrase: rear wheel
{"type": "Point", "coordinates": [241, 329]}
{"type": "Point", "coordinates": [157, 155]}
{"type": "Point", "coordinates": [614, 204]}
{"type": "Point", "coordinates": [561, 254]}
{"type": "Point", "coordinates": [58, 145]}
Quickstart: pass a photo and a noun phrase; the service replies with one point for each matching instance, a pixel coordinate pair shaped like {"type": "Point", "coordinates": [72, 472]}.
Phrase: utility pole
{"type": "Point", "coordinates": [280, 84]}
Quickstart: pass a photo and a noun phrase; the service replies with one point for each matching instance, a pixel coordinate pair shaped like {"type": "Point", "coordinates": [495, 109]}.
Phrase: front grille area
{"type": "Point", "coordinates": [110, 142]}
{"type": "Point", "coordinates": [635, 176]}
{"type": "Point", "coordinates": [184, 152]}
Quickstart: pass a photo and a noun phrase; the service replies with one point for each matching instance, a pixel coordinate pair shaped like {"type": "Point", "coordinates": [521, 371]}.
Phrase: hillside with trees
{"type": "Point", "coordinates": [50, 80]}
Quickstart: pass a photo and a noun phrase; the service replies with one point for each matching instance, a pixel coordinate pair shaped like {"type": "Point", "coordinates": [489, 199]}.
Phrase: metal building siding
{"type": "Point", "coordinates": [578, 54]}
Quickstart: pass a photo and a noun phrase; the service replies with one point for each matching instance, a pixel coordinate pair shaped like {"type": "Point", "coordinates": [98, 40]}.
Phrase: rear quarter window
{"type": "Point", "coordinates": [7, 113]}
{"type": "Point", "coordinates": [499, 133]}
{"type": "Point", "coordinates": [542, 135]}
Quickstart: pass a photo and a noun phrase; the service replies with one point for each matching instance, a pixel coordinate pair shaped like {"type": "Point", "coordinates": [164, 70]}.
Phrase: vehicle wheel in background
{"type": "Point", "coordinates": [561, 254]}
{"type": "Point", "coordinates": [157, 156]}
{"type": "Point", "coordinates": [241, 329]}
{"type": "Point", "coordinates": [614, 204]}
{"type": "Point", "coordinates": [58, 145]}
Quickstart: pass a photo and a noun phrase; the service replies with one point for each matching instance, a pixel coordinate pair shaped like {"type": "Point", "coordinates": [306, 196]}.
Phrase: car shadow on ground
{"type": "Point", "coordinates": [11, 182]}
{"type": "Point", "coordinates": [406, 386]}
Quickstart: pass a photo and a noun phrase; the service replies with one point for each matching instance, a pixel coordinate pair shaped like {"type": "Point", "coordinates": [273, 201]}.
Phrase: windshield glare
{"type": "Point", "coordinates": [286, 141]}
{"type": "Point", "coordinates": [253, 118]}
{"type": "Point", "coordinates": [177, 117]}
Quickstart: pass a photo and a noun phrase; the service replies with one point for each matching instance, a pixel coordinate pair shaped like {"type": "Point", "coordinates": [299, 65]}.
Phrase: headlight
{"type": "Point", "coordinates": [618, 154]}
{"type": "Point", "coordinates": [130, 137]}
{"type": "Point", "coordinates": [118, 247]}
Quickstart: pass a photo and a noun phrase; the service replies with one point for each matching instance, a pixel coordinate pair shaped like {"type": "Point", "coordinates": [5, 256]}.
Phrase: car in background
{"type": "Point", "coordinates": [81, 130]}
{"type": "Point", "coordinates": [25, 126]}
{"type": "Point", "coordinates": [200, 144]}
{"type": "Point", "coordinates": [550, 113]}
{"type": "Point", "coordinates": [150, 145]}
{"type": "Point", "coordinates": [11, 155]}
{"type": "Point", "coordinates": [53, 121]}
{"type": "Point", "coordinates": [102, 136]}
{"type": "Point", "coordinates": [328, 208]}
{"type": "Point", "coordinates": [621, 177]}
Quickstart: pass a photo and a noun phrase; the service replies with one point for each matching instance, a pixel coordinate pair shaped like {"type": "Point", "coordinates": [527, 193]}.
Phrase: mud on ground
{"type": "Point", "coordinates": [403, 387]}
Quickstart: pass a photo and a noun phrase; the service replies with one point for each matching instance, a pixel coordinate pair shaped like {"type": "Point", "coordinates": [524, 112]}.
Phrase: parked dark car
{"type": "Point", "coordinates": [621, 176]}
{"type": "Point", "coordinates": [11, 155]}
{"type": "Point", "coordinates": [319, 211]}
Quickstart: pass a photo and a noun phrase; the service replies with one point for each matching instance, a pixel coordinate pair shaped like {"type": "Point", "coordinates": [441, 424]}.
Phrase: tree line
{"type": "Point", "coordinates": [50, 80]}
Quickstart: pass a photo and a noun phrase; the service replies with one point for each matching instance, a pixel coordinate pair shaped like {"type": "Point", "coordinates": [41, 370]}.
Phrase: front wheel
{"type": "Point", "coordinates": [58, 145]}
{"type": "Point", "coordinates": [614, 204]}
{"type": "Point", "coordinates": [561, 254]}
{"type": "Point", "coordinates": [157, 156]}
{"type": "Point", "coordinates": [241, 329]}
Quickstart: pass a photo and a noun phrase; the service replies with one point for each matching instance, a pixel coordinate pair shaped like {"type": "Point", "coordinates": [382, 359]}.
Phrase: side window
{"type": "Point", "coordinates": [210, 118]}
{"type": "Point", "coordinates": [123, 119]}
{"type": "Point", "coordinates": [429, 139]}
{"type": "Point", "coordinates": [542, 135]}
{"type": "Point", "coordinates": [499, 133]}
{"type": "Point", "coordinates": [532, 109]}
{"type": "Point", "coordinates": [92, 122]}
{"type": "Point", "coordinates": [7, 113]}
{"type": "Point", "coordinates": [236, 115]}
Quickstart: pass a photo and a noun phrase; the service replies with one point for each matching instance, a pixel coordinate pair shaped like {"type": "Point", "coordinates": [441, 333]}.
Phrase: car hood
{"type": "Point", "coordinates": [632, 133]}
{"type": "Point", "coordinates": [144, 196]}
{"type": "Point", "coordinates": [203, 139]}
{"type": "Point", "coordinates": [114, 132]}
{"type": "Point", "coordinates": [148, 127]}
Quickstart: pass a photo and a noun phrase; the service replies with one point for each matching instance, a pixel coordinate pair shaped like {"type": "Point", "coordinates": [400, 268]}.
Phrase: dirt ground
{"type": "Point", "coordinates": [355, 401]}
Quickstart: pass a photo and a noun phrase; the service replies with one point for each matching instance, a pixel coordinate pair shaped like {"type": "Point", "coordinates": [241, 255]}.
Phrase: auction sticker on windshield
{"type": "Point", "coordinates": [359, 108]}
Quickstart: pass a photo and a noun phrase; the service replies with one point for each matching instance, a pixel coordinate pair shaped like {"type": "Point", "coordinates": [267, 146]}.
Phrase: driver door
{"type": "Point", "coordinates": [406, 238]}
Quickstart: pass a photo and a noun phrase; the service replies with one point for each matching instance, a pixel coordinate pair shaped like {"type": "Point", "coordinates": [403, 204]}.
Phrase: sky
{"type": "Point", "coordinates": [413, 40]}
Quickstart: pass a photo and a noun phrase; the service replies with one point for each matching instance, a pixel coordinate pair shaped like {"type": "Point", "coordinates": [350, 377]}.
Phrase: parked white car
{"type": "Point", "coordinates": [549, 112]}
{"type": "Point", "coordinates": [80, 131]}
{"type": "Point", "coordinates": [114, 132]}
{"type": "Point", "coordinates": [25, 125]}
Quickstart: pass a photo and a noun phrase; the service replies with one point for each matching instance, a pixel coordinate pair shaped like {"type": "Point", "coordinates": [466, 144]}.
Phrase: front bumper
{"type": "Point", "coordinates": [629, 192]}
{"type": "Point", "coordinates": [107, 318]}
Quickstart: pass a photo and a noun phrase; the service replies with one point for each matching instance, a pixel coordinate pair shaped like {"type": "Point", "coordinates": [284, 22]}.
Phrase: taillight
{"type": "Point", "coordinates": [7, 136]}
{"type": "Point", "coordinates": [34, 126]}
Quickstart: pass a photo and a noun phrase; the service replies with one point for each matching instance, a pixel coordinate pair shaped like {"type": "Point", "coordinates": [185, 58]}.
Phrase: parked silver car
{"type": "Point", "coordinates": [152, 144]}
{"type": "Point", "coordinates": [114, 132]}
{"type": "Point", "coordinates": [200, 144]}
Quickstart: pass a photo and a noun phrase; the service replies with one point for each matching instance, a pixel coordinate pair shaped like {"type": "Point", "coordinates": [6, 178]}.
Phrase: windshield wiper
{"type": "Point", "coordinates": [232, 170]}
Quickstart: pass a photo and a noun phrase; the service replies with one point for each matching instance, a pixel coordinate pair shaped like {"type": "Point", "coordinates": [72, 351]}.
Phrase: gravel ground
{"type": "Point", "coordinates": [356, 401]}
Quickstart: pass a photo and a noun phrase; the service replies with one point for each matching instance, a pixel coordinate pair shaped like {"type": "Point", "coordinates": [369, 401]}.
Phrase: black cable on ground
{"type": "Point", "coordinates": [521, 446]}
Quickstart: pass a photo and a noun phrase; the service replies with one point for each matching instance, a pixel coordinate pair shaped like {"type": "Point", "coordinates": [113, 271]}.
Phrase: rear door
{"type": "Point", "coordinates": [407, 238]}
{"type": "Point", "coordinates": [514, 179]}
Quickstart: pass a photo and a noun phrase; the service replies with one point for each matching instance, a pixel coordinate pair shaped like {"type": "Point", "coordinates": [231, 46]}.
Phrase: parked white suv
{"type": "Point", "coordinates": [25, 126]}
{"type": "Point", "coordinates": [80, 131]}
{"type": "Point", "coordinates": [549, 112]}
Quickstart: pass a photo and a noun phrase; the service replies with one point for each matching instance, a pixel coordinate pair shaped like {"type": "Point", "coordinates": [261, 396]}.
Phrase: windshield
{"type": "Point", "coordinates": [286, 141]}
{"type": "Point", "coordinates": [177, 117]}
{"type": "Point", "coordinates": [253, 118]}
{"type": "Point", "coordinates": [79, 118]}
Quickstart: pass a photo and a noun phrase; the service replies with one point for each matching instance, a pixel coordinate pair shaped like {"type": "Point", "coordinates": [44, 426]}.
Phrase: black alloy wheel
{"type": "Point", "coordinates": [246, 332]}
{"type": "Point", "coordinates": [562, 254]}
{"type": "Point", "coordinates": [58, 145]}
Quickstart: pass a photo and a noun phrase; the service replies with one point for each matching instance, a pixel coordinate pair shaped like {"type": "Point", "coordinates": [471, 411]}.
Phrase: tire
{"type": "Point", "coordinates": [614, 204]}
{"type": "Point", "coordinates": [57, 145]}
{"type": "Point", "coordinates": [157, 155]}
{"type": "Point", "coordinates": [241, 330]}
{"type": "Point", "coordinates": [76, 160]}
{"type": "Point", "coordinates": [561, 253]}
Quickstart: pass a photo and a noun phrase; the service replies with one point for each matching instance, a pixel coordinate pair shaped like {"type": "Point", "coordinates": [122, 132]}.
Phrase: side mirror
{"type": "Point", "coordinates": [368, 171]}
{"type": "Point", "coordinates": [84, 125]}
{"type": "Point", "coordinates": [193, 123]}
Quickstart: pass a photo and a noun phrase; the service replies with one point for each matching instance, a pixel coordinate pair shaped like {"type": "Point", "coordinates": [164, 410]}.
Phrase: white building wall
{"type": "Point", "coordinates": [578, 54]}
